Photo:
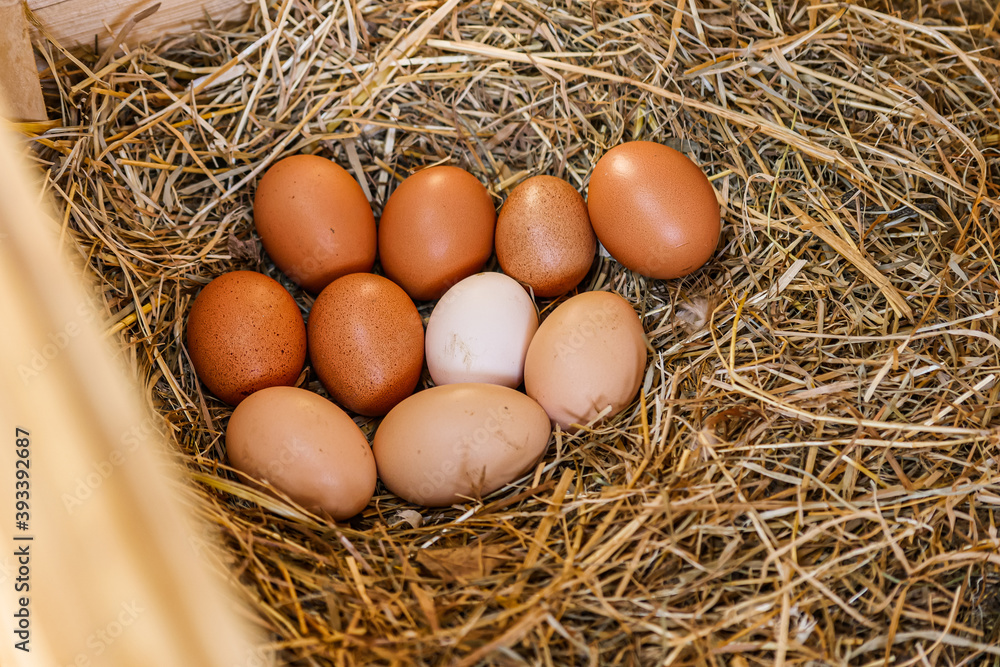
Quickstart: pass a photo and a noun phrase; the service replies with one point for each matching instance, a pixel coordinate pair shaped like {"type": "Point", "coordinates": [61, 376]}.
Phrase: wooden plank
{"type": "Point", "coordinates": [119, 570]}
{"type": "Point", "coordinates": [20, 90]}
{"type": "Point", "coordinates": [75, 23]}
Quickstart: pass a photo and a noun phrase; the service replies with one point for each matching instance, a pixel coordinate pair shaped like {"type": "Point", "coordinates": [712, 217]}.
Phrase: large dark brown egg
{"type": "Point", "coordinates": [653, 209]}
{"type": "Point", "coordinates": [436, 229]}
{"type": "Point", "coordinates": [314, 221]}
{"type": "Point", "coordinates": [244, 333]}
{"type": "Point", "coordinates": [366, 342]}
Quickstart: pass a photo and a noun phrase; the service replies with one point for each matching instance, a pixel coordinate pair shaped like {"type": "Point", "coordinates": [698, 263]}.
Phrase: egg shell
{"type": "Point", "coordinates": [314, 221]}
{"type": "Point", "coordinates": [436, 228]}
{"type": "Point", "coordinates": [479, 332]}
{"type": "Point", "coordinates": [544, 238]}
{"type": "Point", "coordinates": [588, 354]}
{"type": "Point", "coordinates": [244, 333]}
{"type": "Point", "coordinates": [304, 446]}
{"type": "Point", "coordinates": [366, 343]}
{"type": "Point", "coordinates": [653, 209]}
{"type": "Point", "coordinates": [447, 444]}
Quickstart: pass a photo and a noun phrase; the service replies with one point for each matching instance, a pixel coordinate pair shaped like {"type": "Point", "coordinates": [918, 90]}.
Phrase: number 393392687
{"type": "Point", "coordinates": [22, 483]}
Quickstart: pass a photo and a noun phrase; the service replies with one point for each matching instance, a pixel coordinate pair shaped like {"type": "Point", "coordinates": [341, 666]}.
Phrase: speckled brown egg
{"type": "Point", "coordinates": [366, 342]}
{"type": "Point", "coordinates": [653, 209]}
{"type": "Point", "coordinates": [314, 221]}
{"type": "Point", "coordinates": [245, 333]}
{"type": "Point", "coordinates": [304, 446]}
{"type": "Point", "coordinates": [544, 239]}
{"type": "Point", "coordinates": [436, 229]}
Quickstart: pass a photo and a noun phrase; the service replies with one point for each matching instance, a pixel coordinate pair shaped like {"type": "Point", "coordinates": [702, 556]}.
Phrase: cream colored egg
{"type": "Point", "coordinates": [480, 331]}
{"type": "Point", "coordinates": [588, 355]}
{"type": "Point", "coordinates": [449, 444]}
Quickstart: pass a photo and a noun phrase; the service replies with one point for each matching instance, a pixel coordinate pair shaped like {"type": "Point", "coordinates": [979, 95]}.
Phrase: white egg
{"type": "Point", "coordinates": [480, 331]}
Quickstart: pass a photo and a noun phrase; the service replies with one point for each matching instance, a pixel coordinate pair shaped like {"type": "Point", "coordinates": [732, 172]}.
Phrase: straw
{"type": "Point", "coordinates": [810, 474]}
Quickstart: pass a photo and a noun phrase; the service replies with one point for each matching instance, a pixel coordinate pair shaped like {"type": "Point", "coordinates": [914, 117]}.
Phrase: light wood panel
{"type": "Point", "coordinates": [19, 87]}
{"type": "Point", "coordinates": [78, 22]}
{"type": "Point", "coordinates": [114, 575]}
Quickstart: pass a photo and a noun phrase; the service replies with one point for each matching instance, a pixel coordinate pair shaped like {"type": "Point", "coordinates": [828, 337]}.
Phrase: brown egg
{"type": "Point", "coordinates": [447, 444]}
{"type": "Point", "coordinates": [544, 238]}
{"type": "Point", "coordinates": [314, 221]}
{"type": "Point", "coordinates": [304, 446]}
{"type": "Point", "coordinates": [366, 342]}
{"type": "Point", "coordinates": [436, 229]}
{"type": "Point", "coordinates": [245, 333]}
{"type": "Point", "coordinates": [588, 356]}
{"type": "Point", "coordinates": [653, 209]}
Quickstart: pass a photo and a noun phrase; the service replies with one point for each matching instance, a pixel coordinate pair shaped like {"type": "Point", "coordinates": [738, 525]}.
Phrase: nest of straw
{"type": "Point", "coordinates": [810, 474]}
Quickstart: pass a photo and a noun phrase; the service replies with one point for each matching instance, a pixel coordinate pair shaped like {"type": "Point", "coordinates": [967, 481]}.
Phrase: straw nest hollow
{"type": "Point", "coordinates": [810, 474]}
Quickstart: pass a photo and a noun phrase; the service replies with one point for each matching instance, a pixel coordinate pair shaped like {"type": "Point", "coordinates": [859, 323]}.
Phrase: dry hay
{"type": "Point", "coordinates": [810, 476]}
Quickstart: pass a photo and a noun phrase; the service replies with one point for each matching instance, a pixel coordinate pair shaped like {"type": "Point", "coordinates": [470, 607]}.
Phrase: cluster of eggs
{"type": "Point", "coordinates": [473, 432]}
